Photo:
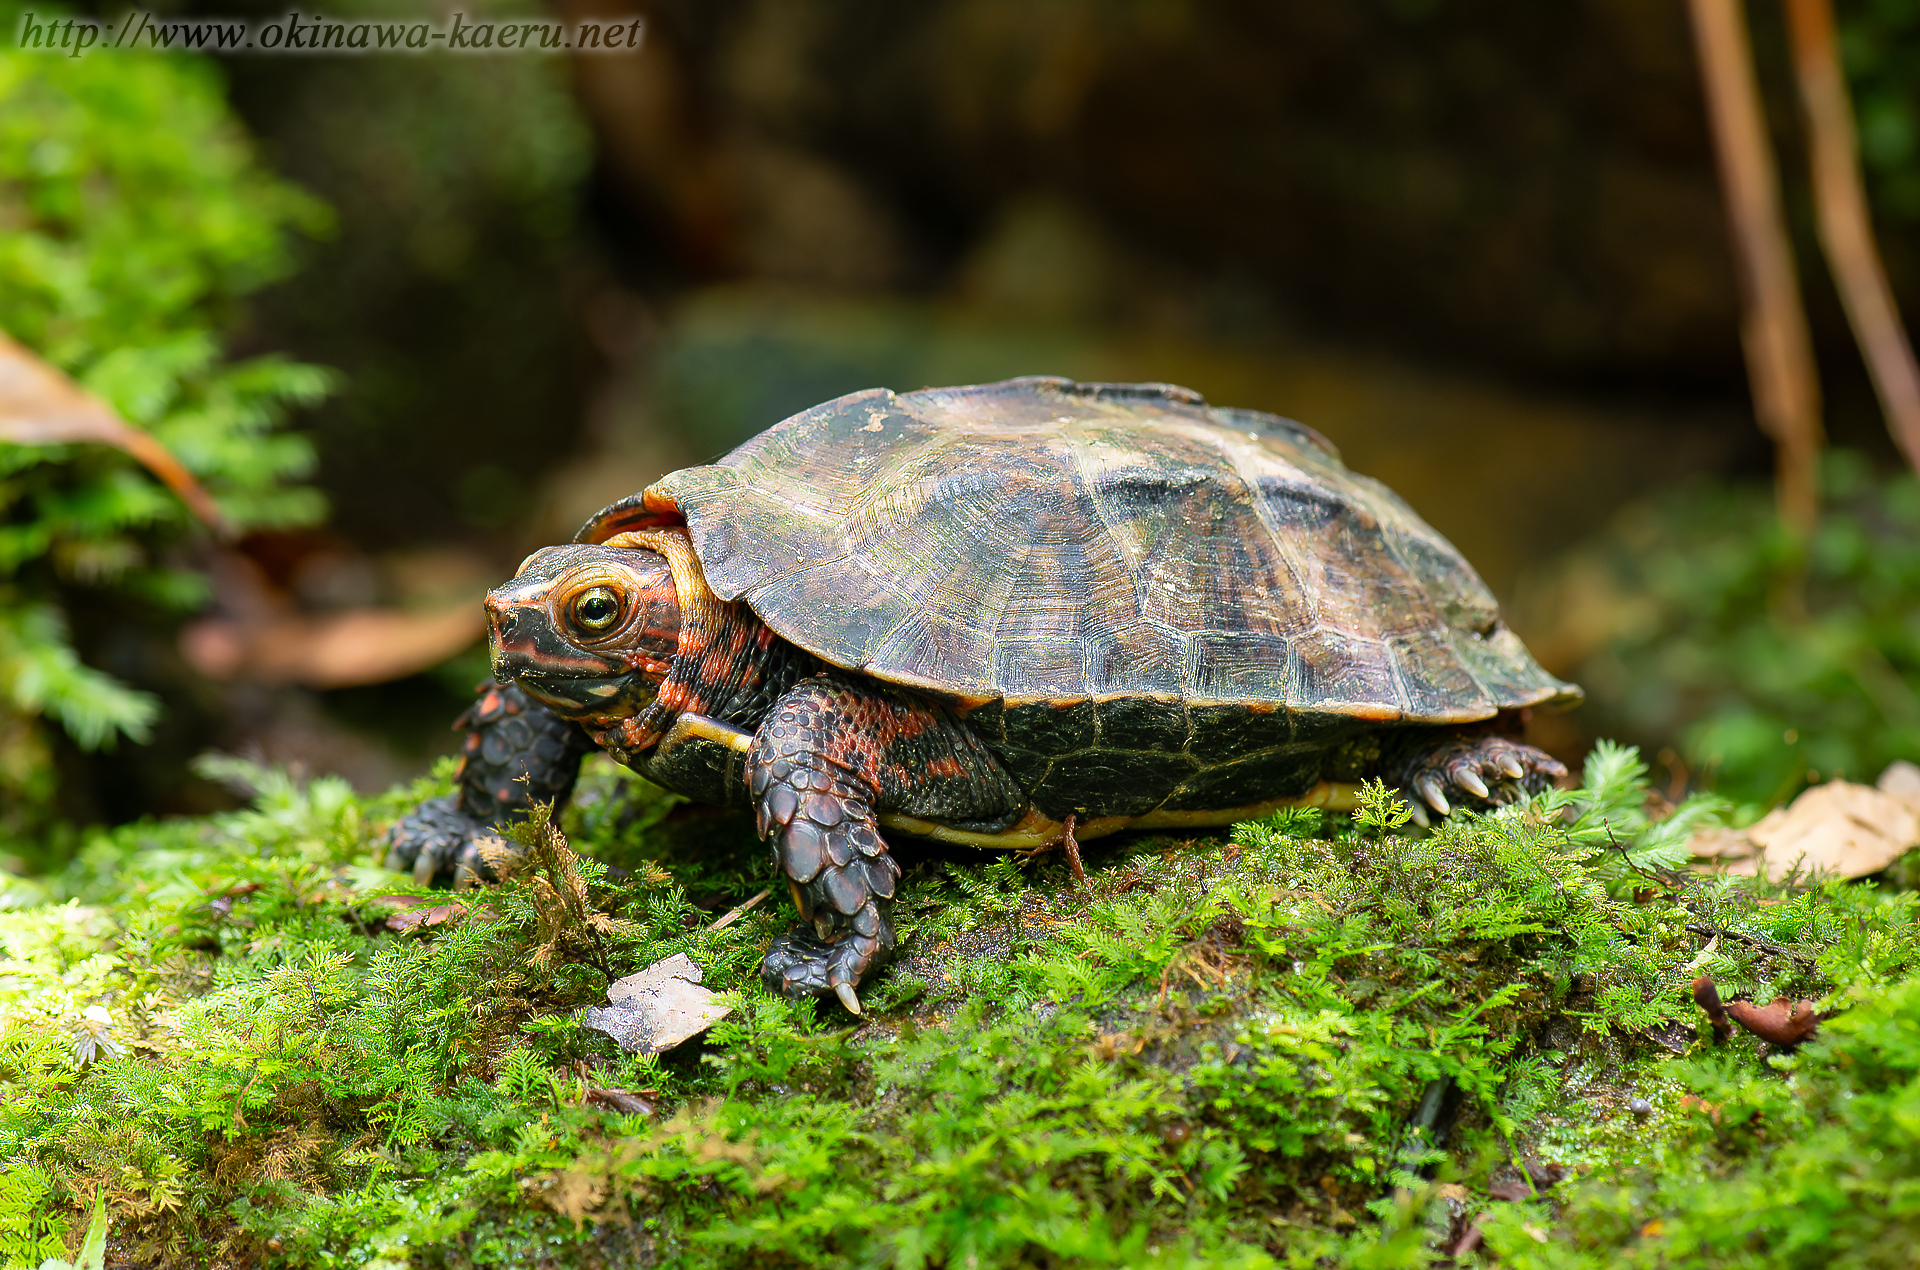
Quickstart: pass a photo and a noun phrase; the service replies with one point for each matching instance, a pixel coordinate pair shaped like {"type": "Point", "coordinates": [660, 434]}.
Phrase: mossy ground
{"type": "Point", "coordinates": [1210, 1055]}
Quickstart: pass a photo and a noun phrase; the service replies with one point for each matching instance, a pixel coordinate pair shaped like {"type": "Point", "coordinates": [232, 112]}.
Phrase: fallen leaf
{"type": "Point", "coordinates": [1781, 1022]}
{"type": "Point", "coordinates": [1671, 1035]}
{"type": "Point", "coordinates": [658, 1008]}
{"type": "Point", "coordinates": [1711, 1110]}
{"type": "Point", "coordinates": [425, 918]}
{"type": "Point", "coordinates": [340, 650]}
{"type": "Point", "coordinates": [1512, 1190]}
{"type": "Point", "coordinates": [1702, 957]}
{"type": "Point", "coordinates": [39, 405]}
{"type": "Point", "coordinates": [403, 902]}
{"type": "Point", "coordinates": [1111, 1045]}
{"type": "Point", "coordinates": [1902, 780]}
{"type": "Point", "coordinates": [1714, 844]}
{"type": "Point", "coordinates": [1706, 995]}
{"type": "Point", "coordinates": [624, 1101]}
{"type": "Point", "coordinates": [1544, 1174]}
{"type": "Point", "coordinates": [1838, 828]}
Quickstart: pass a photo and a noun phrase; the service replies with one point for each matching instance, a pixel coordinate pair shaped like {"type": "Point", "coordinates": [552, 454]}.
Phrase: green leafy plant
{"type": "Point", "coordinates": [1880, 47]}
{"type": "Point", "coordinates": [1381, 811]}
{"type": "Point", "coordinates": [93, 1249]}
{"type": "Point", "coordinates": [137, 219]}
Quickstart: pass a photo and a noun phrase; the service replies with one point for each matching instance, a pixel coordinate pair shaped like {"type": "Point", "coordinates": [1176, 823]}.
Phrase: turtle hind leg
{"type": "Point", "coordinates": [831, 755]}
{"type": "Point", "coordinates": [516, 753]}
{"type": "Point", "coordinates": [1474, 770]}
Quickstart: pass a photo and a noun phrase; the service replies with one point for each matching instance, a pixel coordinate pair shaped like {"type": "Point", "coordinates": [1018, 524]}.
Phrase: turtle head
{"type": "Point", "coordinates": [590, 631]}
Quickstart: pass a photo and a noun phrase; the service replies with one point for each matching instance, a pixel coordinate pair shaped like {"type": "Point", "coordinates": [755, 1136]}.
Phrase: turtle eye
{"type": "Point", "coordinates": [596, 608]}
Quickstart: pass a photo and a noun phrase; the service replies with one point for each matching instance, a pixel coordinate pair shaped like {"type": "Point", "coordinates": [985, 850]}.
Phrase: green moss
{"type": "Point", "coordinates": [1210, 1054]}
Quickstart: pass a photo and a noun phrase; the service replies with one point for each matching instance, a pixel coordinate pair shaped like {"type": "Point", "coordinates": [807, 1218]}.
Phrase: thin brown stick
{"type": "Point", "coordinates": [1773, 323]}
{"type": "Point", "coordinates": [1072, 845]}
{"type": "Point", "coordinates": [733, 915]}
{"type": "Point", "coordinates": [1846, 224]}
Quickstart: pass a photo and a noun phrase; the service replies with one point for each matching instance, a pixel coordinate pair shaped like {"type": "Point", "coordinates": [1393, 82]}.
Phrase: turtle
{"type": "Point", "coordinates": [1016, 614]}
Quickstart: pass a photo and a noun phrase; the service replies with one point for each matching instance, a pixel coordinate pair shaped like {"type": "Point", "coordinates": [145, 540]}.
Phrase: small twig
{"type": "Point", "coordinates": [1846, 225]}
{"type": "Point", "coordinates": [1708, 930]}
{"type": "Point", "coordinates": [1064, 839]}
{"type": "Point", "coordinates": [1072, 845]}
{"type": "Point", "coordinates": [1658, 879]}
{"type": "Point", "coordinates": [240, 1121]}
{"type": "Point", "coordinates": [735, 914]}
{"type": "Point", "coordinates": [1706, 995]}
{"type": "Point", "coordinates": [1773, 323]}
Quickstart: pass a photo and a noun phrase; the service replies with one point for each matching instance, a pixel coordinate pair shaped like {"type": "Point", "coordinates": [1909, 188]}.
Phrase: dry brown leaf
{"type": "Point", "coordinates": [39, 405]}
{"type": "Point", "coordinates": [363, 646]}
{"type": "Point", "coordinates": [658, 1008]}
{"type": "Point", "coordinates": [1902, 780]}
{"type": "Point", "coordinates": [425, 918]}
{"type": "Point", "coordinates": [624, 1101]}
{"type": "Point", "coordinates": [260, 635]}
{"type": "Point", "coordinates": [576, 1192]}
{"type": "Point", "coordinates": [1781, 1022]}
{"type": "Point", "coordinates": [403, 902]}
{"type": "Point", "coordinates": [1836, 828]}
{"type": "Point", "coordinates": [1111, 1045]}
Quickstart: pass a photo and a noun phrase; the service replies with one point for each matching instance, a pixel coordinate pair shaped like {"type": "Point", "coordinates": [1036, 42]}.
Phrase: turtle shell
{"type": "Point", "coordinates": [1100, 571]}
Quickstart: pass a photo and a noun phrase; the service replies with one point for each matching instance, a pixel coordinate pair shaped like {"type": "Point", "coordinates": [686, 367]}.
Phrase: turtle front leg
{"type": "Point", "coordinates": [517, 752]}
{"type": "Point", "coordinates": [831, 755]}
{"type": "Point", "coordinates": [1475, 770]}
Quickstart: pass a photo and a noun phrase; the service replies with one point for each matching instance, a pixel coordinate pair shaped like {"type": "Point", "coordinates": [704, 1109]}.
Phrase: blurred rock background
{"type": "Point", "coordinates": [1478, 244]}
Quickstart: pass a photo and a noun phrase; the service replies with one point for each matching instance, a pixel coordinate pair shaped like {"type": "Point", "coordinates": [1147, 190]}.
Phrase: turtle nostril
{"type": "Point", "coordinates": [505, 622]}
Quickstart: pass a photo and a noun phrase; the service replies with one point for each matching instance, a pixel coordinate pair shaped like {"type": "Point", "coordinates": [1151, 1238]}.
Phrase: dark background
{"type": "Point", "coordinates": [1479, 244]}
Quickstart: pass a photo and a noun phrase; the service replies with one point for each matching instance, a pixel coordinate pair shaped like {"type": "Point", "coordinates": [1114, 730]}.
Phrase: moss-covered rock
{"type": "Point", "coordinates": [1312, 1042]}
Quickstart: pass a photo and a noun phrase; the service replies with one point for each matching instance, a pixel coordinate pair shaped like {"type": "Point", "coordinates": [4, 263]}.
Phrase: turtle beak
{"type": "Point", "coordinates": [516, 625]}
{"type": "Point", "coordinates": [530, 649]}
{"type": "Point", "coordinates": [503, 622]}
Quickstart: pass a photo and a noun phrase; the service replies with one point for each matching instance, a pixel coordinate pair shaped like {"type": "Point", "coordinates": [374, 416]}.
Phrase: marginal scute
{"type": "Point", "coordinates": [1255, 778]}
{"type": "Point", "coordinates": [1047, 728]}
{"type": "Point", "coordinates": [1142, 723]}
{"type": "Point", "coordinates": [1110, 783]}
{"type": "Point", "coordinates": [1060, 547]}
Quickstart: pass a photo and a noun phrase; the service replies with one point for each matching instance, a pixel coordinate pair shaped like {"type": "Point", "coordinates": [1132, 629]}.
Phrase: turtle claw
{"type": "Point", "coordinates": [435, 842]}
{"type": "Point", "coordinates": [1428, 787]}
{"type": "Point", "coordinates": [801, 964]}
{"type": "Point", "coordinates": [1487, 770]}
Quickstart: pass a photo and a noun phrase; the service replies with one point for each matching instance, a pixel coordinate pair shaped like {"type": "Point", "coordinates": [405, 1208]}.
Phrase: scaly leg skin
{"type": "Point", "coordinates": [1476, 770]}
{"type": "Point", "coordinates": [510, 736]}
{"type": "Point", "coordinates": [831, 755]}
